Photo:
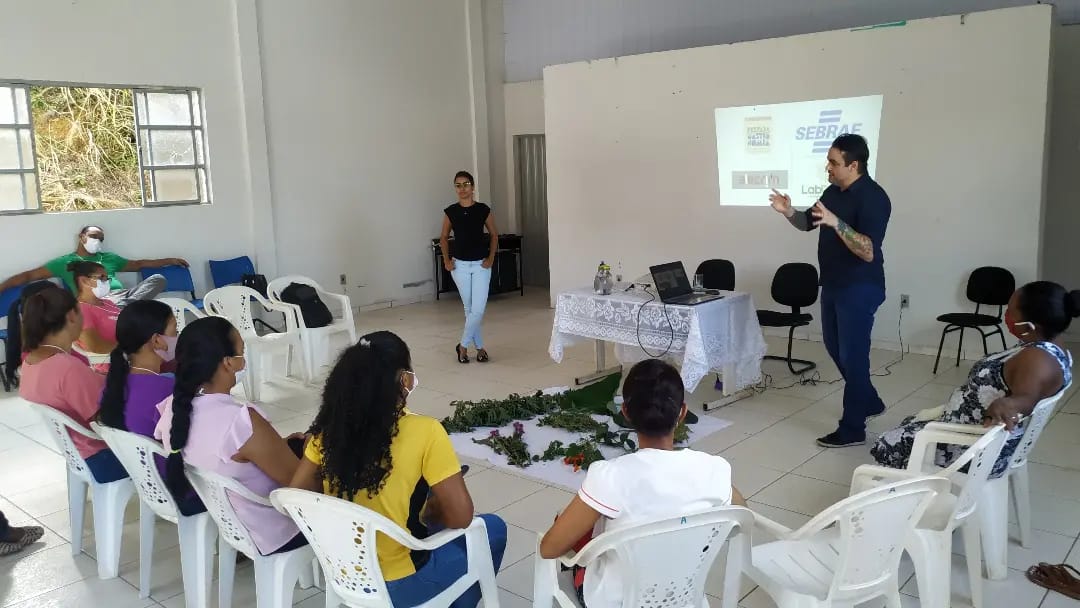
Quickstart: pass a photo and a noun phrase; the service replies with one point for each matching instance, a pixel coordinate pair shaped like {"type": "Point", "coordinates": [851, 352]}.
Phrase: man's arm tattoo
{"type": "Point", "coordinates": [859, 244]}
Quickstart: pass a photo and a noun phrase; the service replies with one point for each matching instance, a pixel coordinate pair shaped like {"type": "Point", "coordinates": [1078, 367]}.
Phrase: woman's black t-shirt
{"type": "Point", "coordinates": [471, 242]}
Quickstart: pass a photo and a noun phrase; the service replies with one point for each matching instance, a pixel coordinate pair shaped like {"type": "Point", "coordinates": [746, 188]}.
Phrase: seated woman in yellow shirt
{"type": "Point", "coordinates": [367, 447]}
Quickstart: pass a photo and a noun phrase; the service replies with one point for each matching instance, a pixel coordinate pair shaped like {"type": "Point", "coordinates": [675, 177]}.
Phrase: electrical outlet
{"type": "Point", "coordinates": [343, 281]}
{"type": "Point", "coordinates": [905, 301]}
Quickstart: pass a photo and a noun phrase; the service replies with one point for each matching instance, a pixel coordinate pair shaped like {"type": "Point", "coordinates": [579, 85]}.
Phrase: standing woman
{"type": "Point", "coordinates": [470, 261]}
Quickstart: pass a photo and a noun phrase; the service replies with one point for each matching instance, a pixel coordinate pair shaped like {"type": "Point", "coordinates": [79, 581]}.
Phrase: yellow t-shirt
{"type": "Point", "coordinates": [422, 457]}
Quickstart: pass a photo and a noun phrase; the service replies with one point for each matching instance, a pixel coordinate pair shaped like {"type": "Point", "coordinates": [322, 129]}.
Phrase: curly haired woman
{"type": "Point", "coordinates": [367, 447]}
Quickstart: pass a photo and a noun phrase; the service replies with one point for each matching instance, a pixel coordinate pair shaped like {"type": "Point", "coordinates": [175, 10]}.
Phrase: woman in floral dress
{"type": "Point", "coordinates": [1002, 388]}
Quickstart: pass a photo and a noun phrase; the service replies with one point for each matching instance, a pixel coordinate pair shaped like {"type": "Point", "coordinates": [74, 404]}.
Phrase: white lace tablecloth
{"type": "Point", "coordinates": [721, 335]}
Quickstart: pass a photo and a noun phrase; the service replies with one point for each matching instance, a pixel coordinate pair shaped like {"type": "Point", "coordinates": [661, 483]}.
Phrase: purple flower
{"type": "Point", "coordinates": [519, 428]}
{"type": "Point", "coordinates": [494, 433]}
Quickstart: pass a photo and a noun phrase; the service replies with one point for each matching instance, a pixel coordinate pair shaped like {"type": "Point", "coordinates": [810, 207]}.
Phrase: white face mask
{"type": "Point", "coordinates": [102, 289]}
{"type": "Point", "coordinates": [415, 383]}
{"type": "Point", "coordinates": [92, 245]}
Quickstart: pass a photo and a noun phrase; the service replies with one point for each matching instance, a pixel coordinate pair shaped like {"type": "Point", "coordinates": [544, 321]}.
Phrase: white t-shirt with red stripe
{"type": "Point", "coordinates": [648, 484]}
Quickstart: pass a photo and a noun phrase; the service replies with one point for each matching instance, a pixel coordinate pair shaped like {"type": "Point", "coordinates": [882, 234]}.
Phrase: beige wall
{"type": "Point", "coordinates": [632, 155]}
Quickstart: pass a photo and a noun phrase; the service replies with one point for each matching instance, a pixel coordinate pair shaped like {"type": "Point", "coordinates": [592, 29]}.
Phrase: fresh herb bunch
{"type": "Point", "coordinates": [468, 415]}
{"type": "Point", "coordinates": [579, 454]}
{"type": "Point", "coordinates": [513, 447]}
{"type": "Point", "coordinates": [577, 422]}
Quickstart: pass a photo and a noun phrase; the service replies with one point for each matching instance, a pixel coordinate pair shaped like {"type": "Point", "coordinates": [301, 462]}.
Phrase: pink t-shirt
{"type": "Point", "coordinates": [101, 317]}
{"type": "Point", "coordinates": [65, 383]}
{"type": "Point", "coordinates": [220, 425]}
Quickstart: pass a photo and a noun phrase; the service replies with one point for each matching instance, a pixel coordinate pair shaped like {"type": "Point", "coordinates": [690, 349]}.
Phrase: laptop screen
{"type": "Point", "coordinates": [670, 280]}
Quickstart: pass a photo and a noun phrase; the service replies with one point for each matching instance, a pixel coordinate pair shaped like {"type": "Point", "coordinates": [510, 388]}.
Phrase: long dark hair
{"type": "Point", "coordinates": [83, 269]}
{"type": "Point", "coordinates": [137, 323]}
{"type": "Point", "coordinates": [202, 346]}
{"type": "Point", "coordinates": [44, 313]}
{"type": "Point", "coordinates": [358, 419]}
{"type": "Point", "coordinates": [13, 346]}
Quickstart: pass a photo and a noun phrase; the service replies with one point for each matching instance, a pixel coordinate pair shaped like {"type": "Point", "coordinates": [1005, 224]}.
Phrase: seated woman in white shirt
{"type": "Point", "coordinates": [656, 481]}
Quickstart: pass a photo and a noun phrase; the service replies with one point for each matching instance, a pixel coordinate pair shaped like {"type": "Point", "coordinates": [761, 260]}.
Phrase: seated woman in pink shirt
{"type": "Point", "coordinates": [203, 425]}
{"type": "Point", "coordinates": [51, 376]}
{"type": "Point", "coordinates": [99, 314]}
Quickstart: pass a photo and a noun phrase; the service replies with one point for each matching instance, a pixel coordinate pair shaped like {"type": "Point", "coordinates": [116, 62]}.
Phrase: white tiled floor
{"type": "Point", "coordinates": [771, 446]}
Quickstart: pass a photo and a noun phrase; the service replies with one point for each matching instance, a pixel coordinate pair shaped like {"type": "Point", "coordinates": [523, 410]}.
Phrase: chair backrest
{"type": "Point", "coordinates": [59, 424]}
{"type": "Point", "coordinates": [177, 278]}
{"type": "Point", "coordinates": [667, 561]}
{"type": "Point", "coordinates": [873, 527]}
{"type": "Point", "coordinates": [795, 284]}
{"type": "Point", "coordinates": [979, 460]}
{"type": "Point", "coordinates": [717, 274]}
{"type": "Point", "coordinates": [139, 456]}
{"type": "Point", "coordinates": [990, 285]}
{"type": "Point", "coordinates": [278, 285]}
{"type": "Point", "coordinates": [8, 297]}
{"type": "Point", "coordinates": [181, 308]}
{"type": "Point", "coordinates": [215, 491]}
{"type": "Point", "coordinates": [1033, 427]}
{"type": "Point", "coordinates": [230, 272]}
{"type": "Point", "coordinates": [342, 535]}
{"type": "Point", "coordinates": [234, 303]}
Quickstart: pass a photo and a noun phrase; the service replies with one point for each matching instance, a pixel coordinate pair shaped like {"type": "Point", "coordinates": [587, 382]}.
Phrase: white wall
{"type": "Point", "coordinates": [124, 42]}
{"type": "Point", "coordinates": [1060, 235]}
{"type": "Point", "coordinates": [632, 156]}
{"type": "Point", "coordinates": [369, 116]}
{"type": "Point", "coordinates": [524, 111]}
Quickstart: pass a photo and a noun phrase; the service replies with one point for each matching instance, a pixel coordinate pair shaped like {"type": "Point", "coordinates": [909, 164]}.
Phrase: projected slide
{"type": "Point", "coordinates": [783, 146]}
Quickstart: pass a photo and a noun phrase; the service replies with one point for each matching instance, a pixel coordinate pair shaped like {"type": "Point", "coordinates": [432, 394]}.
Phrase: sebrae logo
{"type": "Point", "coordinates": [829, 126]}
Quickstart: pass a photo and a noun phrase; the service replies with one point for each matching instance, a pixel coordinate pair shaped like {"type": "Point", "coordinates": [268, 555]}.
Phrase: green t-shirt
{"type": "Point", "coordinates": [112, 263]}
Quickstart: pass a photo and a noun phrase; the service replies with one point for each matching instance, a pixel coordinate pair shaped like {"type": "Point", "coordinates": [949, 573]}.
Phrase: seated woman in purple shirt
{"type": "Point", "coordinates": [145, 343]}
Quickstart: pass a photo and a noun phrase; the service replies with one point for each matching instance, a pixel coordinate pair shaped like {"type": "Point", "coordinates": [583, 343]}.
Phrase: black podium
{"type": "Point", "coordinates": [505, 272]}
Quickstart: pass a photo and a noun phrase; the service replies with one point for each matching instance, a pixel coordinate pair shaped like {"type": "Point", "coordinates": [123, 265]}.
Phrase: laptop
{"type": "Point", "coordinates": [673, 287]}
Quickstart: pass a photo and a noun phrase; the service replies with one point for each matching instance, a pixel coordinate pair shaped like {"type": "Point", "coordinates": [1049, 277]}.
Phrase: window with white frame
{"type": "Point", "coordinates": [83, 148]}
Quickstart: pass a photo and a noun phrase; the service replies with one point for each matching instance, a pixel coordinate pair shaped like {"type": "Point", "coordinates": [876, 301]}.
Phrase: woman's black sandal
{"type": "Point", "coordinates": [462, 354]}
{"type": "Point", "coordinates": [482, 356]}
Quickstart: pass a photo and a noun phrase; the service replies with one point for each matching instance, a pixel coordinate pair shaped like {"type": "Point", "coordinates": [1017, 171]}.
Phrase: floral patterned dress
{"type": "Point", "coordinates": [967, 405]}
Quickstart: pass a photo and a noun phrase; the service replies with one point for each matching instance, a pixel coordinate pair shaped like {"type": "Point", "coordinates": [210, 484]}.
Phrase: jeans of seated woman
{"type": "Point", "coordinates": [106, 467]}
{"type": "Point", "coordinates": [444, 566]}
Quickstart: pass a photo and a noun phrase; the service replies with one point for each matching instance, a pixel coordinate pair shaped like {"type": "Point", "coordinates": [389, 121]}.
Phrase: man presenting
{"type": "Point", "coordinates": [89, 248]}
{"type": "Point", "coordinates": [852, 213]}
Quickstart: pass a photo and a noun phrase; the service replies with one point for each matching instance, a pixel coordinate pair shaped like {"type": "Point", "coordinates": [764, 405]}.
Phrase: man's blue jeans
{"type": "Point", "coordinates": [847, 318]}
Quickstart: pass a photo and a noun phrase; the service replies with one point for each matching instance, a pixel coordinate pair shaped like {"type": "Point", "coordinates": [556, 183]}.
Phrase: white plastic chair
{"type": "Point", "coordinates": [342, 534]}
{"type": "Point", "coordinates": [317, 339]}
{"type": "Point", "coordinates": [110, 499]}
{"type": "Point", "coordinates": [197, 532]}
{"type": "Point", "coordinates": [994, 502]}
{"type": "Point", "coordinates": [930, 544]}
{"type": "Point", "coordinates": [181, 308]}
{"type": "Point", "coordinates": [94, 358]}
{"type": "Point", "coordinates": [665, 562]}
{"type": "Point", "coordinates": [234, 303]}
{"type": "Point", "coordinates": [275, 575]}
{"type": "Point", "coordinates": [848, 554]}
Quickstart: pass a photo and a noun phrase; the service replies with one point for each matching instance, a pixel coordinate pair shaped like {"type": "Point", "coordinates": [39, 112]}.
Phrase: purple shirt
{"type": "Point", "coordinates": [144, 392]}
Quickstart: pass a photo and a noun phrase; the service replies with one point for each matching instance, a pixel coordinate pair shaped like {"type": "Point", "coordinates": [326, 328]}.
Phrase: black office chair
{"type": "Point", "coordinates": [795, 285]}
{"type": "Point", "coordinates": [987, 286]}
{"type": "Point", "coordinates": [717, 274]}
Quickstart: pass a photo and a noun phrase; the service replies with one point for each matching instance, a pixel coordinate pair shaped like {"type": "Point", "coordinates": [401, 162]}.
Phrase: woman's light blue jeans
{"type": "Point", "coordinates": [473, 282]}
